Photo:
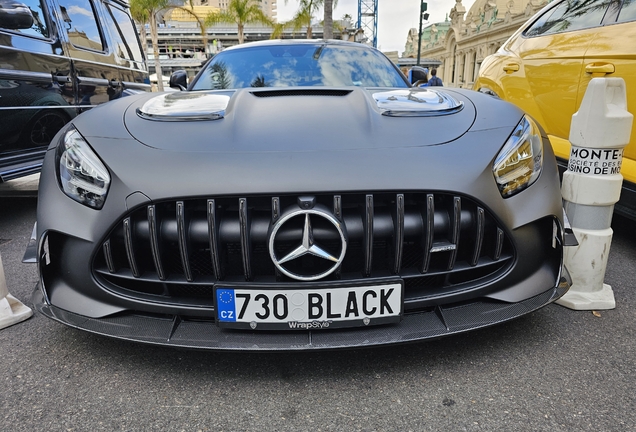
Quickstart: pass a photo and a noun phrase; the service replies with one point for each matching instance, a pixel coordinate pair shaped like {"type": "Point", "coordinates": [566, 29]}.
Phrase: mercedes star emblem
{"type": "Point", "coordinates": [307, 245]}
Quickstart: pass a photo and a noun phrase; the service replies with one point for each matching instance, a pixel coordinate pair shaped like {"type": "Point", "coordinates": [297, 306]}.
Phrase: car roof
{"type": "Point", "coordinates": [283, 42]}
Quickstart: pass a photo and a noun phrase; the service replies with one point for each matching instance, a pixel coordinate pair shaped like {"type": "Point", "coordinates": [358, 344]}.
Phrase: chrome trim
{"type": "Point", "coordinates": [307, 245]}
{"type": "Point", "coordinates": [213, 234]}
{"type": "Point", "coordinates": [428, 232]}
{"type": "Point", "coordinates": [108, 256]}
{"type": "Point", "coordinates": [337, 207]}
{"type": "Point", "coordinates": [154, 241]}
{"type": "Point", "coordinates": [399, 232]}
{"type": "Point", "coordinates": [444, 247]}
{"type": "Point", "coordinates": [136, 85]}
{"type": "Point", "coordinates": [337, 211]}
{"type": "Point", "coordinates": [275, 208]}
{"type": "Point", "coordinates": [130, 251]}
{"type": "Point", "coordinates": [101, 64]}
{"type": "Point", "coordinates": [368, 235]}
{"type": "Point", "coordinates": [245, 239]}
{"type": "Point", "coordinates": [25, 75]}
{"type": "Point", "coordinates": [41, 107]}
{"type": "Point", "coordinates": [96, 81]}
{"type": "Point", "coordinates": [457, 220]}
{"type": "Point", "coordinates": [479, 235]}
{"type": "Point", "coordinates": [183, 245]}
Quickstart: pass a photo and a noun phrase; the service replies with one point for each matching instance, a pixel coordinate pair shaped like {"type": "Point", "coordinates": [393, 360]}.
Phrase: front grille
{"type": "Point", "coordinates": [438, 243]}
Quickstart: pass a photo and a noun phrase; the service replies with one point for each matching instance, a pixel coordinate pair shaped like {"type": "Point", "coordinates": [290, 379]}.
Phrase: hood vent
{"type": "Point", "coordinates": [416, 102]}
{"type": "Point", "coordinates": [186, 106]}
{"type": "Point", "coordinates": [301, 92]}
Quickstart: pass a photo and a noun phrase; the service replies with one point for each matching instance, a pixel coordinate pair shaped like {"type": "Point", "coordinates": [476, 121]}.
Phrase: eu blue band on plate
{"type": "Point", "coordinates": [226, 305]}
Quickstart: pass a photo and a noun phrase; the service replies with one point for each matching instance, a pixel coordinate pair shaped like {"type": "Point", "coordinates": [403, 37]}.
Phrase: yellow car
{"type": "Point", "coordinates": [545, 67]}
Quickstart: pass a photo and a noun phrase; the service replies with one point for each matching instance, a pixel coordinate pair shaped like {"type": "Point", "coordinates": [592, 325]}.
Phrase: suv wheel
{"type": "Point", "coordinates": [43, 127]}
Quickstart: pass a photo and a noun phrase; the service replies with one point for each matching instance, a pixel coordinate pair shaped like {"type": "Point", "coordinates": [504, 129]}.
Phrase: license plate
{"type": "Point", "coordinates": [308, 309]}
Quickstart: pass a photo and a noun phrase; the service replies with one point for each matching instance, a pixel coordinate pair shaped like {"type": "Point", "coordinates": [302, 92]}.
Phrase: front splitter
{"type": "Point", "coordinates": [183, 333]}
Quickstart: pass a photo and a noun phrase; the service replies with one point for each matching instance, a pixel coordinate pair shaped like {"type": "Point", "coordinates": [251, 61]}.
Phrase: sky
{"type": "Point", "coordinates": [395, 17]}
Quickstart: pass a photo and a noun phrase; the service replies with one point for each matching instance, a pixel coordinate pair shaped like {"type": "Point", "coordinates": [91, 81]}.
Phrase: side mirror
{"type": "Point", "coordinates": [15, 15]}
{"type": "Point", "coordinates": [179, 80]}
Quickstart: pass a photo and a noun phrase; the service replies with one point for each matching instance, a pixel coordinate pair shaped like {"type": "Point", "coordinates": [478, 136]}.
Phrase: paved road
{"type": "Point", "coordinates": [555, 370]}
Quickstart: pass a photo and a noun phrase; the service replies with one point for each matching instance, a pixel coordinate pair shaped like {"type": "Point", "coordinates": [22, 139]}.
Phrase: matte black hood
{"type": "Point", "coordinates": [274, 120]}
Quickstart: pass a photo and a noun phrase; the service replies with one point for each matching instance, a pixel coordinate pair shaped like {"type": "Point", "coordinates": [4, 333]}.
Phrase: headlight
{"type": "Point", "coordinates": [82, 176]}
{"type": "Point", "coordinates": [520, 161]}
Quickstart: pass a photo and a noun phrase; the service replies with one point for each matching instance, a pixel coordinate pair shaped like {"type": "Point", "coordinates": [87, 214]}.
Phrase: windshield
{"type": "Point", "coordinates": [299, 65]}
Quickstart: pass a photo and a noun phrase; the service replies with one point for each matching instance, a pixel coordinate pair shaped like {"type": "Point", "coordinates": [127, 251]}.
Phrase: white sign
{"type": "Point", "coordinates": [595, 161]}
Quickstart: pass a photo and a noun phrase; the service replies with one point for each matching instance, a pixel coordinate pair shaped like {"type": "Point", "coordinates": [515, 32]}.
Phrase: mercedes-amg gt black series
{"type": "Point", "coordinates": [298, 195]}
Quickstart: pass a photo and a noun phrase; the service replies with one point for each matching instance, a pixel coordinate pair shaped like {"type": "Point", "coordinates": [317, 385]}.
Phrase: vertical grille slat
{"type": "Point", "coordinates": [479, 235]}
{"type": "Point", "coordinates": [499, 244]}
{"type": "Point", "coordinates": [275, 209]}
{"type": "Point", "coordinates": [456, 227]}
{"type": "Point", "coordinates": [429, 229]}
{"type": "Point", "coordinates": [154, 242]}
{"type": "Point", "coordinates": [399, 232]}
{"type": "Point", "coordinates": [337, 207]}
{"type": "Point", "coordinates": [183, 241]}
{"type": "Point", "coordinates": [337, 212]}
{"type": "Point", "coordinates": [245, 239]}
{"type": "Point", "coordinates": [368, 235]}
{"type": "Point", "coordinates": [108, 256]}
{"type": "Point", "coordinates": [130, 251]}
{"type": "Point", "coordinates": [213, 232]}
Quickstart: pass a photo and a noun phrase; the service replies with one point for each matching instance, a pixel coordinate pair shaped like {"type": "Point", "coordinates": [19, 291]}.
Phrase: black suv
{"type": "Point", "coordinates": [58, 58]}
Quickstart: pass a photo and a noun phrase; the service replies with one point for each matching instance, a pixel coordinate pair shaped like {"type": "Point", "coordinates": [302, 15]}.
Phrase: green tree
{"type": "Point", "coordinates": [140, 15]}
{"type": "Point", "coordinates": [278, 30]}
{"type": "Point", "coordinates": [152, 8]}
{"type": "Point", "coordinates": [240, 12]}
{"type": "Point", "coordinates": [145, 11]}
{"type": "Point", "coordinates": [305, 14]}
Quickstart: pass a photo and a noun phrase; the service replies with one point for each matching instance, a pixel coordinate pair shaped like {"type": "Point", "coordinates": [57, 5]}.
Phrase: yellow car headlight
{"type": "Point", "coordinates": [520, 161]}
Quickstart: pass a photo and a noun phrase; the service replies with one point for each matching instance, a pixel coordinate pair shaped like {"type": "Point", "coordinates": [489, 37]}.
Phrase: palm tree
{"type": "Point", "coordinates": [306, 11]}
{"type": "Point", "coordinates": [140, 15]}
{"type": "Point", "coordinates": [278, 30]}
{"type": "Point", "coordinates": [304, 15]}
{"type": "Point", "coordinates": [152, 7]}
{"type": "Point", "coordinates": [328, 20]}
{"type": "Point", "coordinates": [240, 12]}
{"type": "Point", "coordinates": [145, 11]}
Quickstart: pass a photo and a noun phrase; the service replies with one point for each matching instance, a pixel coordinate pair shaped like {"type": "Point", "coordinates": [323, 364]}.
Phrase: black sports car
{"type": "Point", "coordinates": [299, 195]}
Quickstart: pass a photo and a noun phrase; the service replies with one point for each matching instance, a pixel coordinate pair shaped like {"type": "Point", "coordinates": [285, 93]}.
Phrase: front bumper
{"type": "Point", "coordinates": [173, 331]}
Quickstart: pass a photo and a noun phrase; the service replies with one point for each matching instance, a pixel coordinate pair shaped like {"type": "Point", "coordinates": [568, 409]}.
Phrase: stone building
{"type": "Point", "coordinates": [463, 40]}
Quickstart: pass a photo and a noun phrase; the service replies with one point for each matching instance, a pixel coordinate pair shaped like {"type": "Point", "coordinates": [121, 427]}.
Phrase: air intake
{"type": "Point", "coordinates": [300, 92]}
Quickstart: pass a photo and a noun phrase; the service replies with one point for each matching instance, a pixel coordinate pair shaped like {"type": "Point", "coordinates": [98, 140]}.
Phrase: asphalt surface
{"type": "Point", "coordinates": [554, 370]}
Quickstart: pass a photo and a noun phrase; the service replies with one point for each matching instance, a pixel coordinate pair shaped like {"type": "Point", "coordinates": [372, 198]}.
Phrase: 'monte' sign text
{"type": "Point", "coordinates": [595, 161]}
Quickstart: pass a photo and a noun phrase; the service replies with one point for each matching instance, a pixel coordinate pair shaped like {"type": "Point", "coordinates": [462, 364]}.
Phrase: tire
{"type": "Point", "coordinates": [43, 127]}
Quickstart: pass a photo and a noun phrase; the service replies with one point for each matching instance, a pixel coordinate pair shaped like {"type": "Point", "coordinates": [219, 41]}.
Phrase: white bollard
{"type": "Point", "coordinates": [11, 310]}
{"type": "Point", "coordinates": [591, 186]}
